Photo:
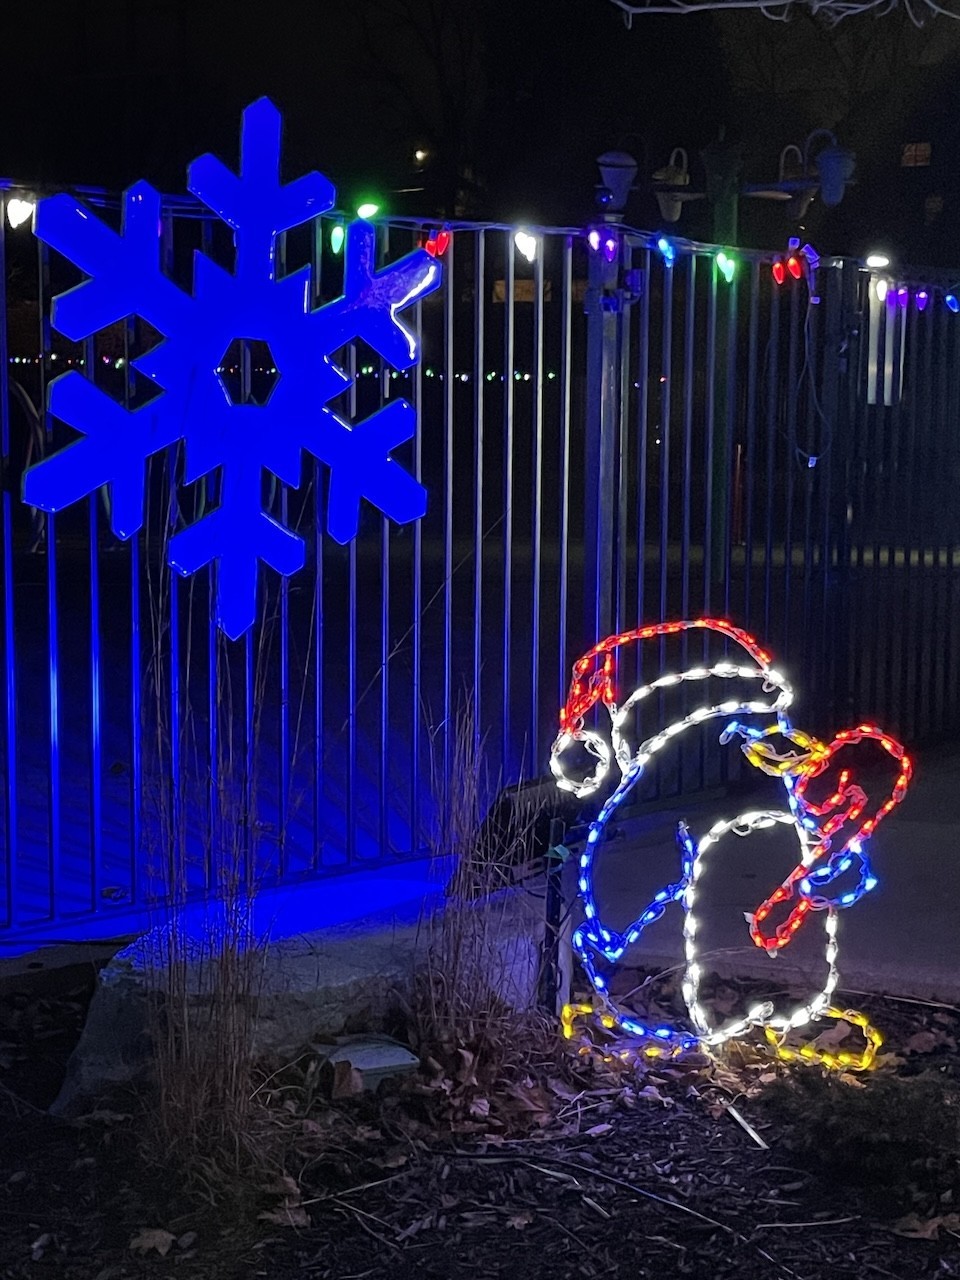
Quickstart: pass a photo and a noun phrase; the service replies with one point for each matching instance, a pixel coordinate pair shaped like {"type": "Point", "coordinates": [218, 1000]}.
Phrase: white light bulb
{"type": "Point", "coordinates": [19, 211]}
{"type": "Point", "coordinates": [877, 260]}
{"type": "Point", "coordinates": [526, 245]}
{"type": "Point", "coordinates": [881, 290]}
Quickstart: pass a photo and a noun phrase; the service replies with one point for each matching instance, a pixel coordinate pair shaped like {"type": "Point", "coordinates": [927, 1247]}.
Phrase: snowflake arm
{"type": "Point", "coordinates": [371, 299]}
{"type": "Point", "coordinates": [238, 540]}
{"type": "Point", "coordinates": [114, 450]}
{"type": "Point", "coordinates": [361, 467]}
{"type": "Point", "coordinates": [126, 278]}
{"type": "Point", "coordinates": [254, 203]}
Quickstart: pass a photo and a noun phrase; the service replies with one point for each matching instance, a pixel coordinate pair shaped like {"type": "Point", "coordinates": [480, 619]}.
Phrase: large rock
{"type": "Point", "coordinates": [324, 983]}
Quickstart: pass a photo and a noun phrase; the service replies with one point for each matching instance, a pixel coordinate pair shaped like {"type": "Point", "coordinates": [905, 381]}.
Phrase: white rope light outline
{"type": "Point", "coordinates": [760, 1015]}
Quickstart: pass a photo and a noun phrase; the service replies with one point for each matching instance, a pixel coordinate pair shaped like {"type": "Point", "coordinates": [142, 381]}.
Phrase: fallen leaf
{"type": "Point", "coordinates": [520, 1220]}
{"type": "Point", "coordinates": [466, 1074]}
{"type": "Point", "coordinates": [834, 1036]}
{"type": "Point", "coordinates": [186, 1240]}
{"type": "Point", "coordinates": [39, 1246]}
{"type": "Point", "coordinates": [599, 1130]}
{"type": "Point", "coordinates": [562, 1090]}
{"type": "Point", "coordinates": [283, 1185]}
{"type": "Point", "coordinates": [916, 1228]}
{"type": "Point", "coordinates": [392, 1160]}
{"type": "Point", "coordinates": [153, 1238]}
{"type": "Point", "coordinates": [480, 1107]}
{"type": "Point", "coordinates": [724, 1000]}
{"type": "Point", "coordinates": [924, 1042]}
{"type": "Point", "coordinates": [347, 1080]}
{"type": "Point", "coordinates": [288, 1216]}
{"type": "Point", "coordinates": [653, 1094]}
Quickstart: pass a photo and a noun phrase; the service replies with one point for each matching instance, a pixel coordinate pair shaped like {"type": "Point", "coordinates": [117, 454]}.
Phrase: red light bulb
{"type": "Point", "coordinates": [778, 272]}
{"type": "Point", "coordinates": [795, 267]}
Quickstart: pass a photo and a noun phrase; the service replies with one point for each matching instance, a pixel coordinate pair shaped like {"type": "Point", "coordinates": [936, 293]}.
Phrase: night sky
{"type": "Point", "coordinates": [512, 102]}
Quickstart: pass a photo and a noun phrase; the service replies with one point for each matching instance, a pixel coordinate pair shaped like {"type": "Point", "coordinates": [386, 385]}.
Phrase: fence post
{"type": "Point", "coordinates": [603, 381]}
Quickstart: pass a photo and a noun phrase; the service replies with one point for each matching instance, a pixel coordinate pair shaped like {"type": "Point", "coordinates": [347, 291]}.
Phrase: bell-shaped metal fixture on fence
{"type": "Point", "coordinates": [835, 165]}
{"type": "Point", "coordinates": [618, 171]}
{"type": "Point", "coordinates": [675, 173]}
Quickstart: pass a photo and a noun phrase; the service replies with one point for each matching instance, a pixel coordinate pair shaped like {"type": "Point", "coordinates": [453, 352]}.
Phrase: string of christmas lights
{"type": "Point", "coordinates": [816, 824]}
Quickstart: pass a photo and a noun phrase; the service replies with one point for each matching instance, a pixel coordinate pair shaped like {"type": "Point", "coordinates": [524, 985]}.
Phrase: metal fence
{"type": "Point", "coordinates": [601, 442]}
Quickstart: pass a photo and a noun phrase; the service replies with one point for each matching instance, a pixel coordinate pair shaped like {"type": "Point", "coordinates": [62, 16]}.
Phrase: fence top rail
{"type": "Point", "coordinates": [189, 207]}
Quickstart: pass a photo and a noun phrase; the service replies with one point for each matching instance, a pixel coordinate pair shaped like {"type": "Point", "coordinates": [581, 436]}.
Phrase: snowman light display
{"type": "Point", "coordinates": [832, 834]}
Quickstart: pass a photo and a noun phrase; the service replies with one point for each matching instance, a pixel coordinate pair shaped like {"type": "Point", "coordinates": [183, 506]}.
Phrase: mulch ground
{"type": "Point", "coordinates": [620, 1172]}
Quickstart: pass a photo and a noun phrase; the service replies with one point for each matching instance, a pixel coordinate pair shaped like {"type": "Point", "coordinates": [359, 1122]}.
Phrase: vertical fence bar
{"type": "Point", "coordinates": [791, 462]}
{"type": "Point", "coordinates": [285, 763]}
{"type": "Point", "coordinates": [604, 356]}
{"type": "Point", "coordinates": [54, 779]}
{"type": "Point", "coordinates": [942, 426]}
{"type": "Point", "coordinates": [643, 413]}
{"type": "Point", "coordinates": [96, 749]}
{"type": "Point", "coordinates": [316, 244]}
{"type": "Point", "coordinates": [448, 735]}
{"type": "Point", "coordinates": [951, 411]}
{"type": "Point", "coordinates": [905, 479]}
{"type": "Point", "coordinates": [384, 773]}
{"type": "Point", "coordinates": [666, 389]}
{"type": "Point", "coordinates": [830, 432]}
{"type": "Point", "coordinates": [537, 531]}
{"type": "Point", "coordinates": [709, 461]}
{"type": "Point", "coordinates": [351, 781]}
{"type": "Point", "coordinates": [689, 387]}
{"type": "Point", "coordinates": [479, 271]}
{"type": "Point", "coordinates": [136, 757]}
{"type": "Point", "coordinates": [622, 427]}
{"type": "Point", "coordinates": [213, 682]}
{"type": "Point", "coordinates": [384, 770]}
{"type": "Point", "coordinates": [811, 477]}
{"type": "Point", "coordinates": [749, 455]}
{"type": "Point", "coordinates": [417, 708]}
{"type": "Point", "coordinates": [508, 434]}
{"type": "Point", "coordinates": [878, 424]}
{"type": "Point", "coordinates": [729, 425]}
{"type": "Point", "coordinates": [319, 763]}
{"type": "Point", "coordinates": [565, 353]}
{"type": "Point", "coordinates": [12, 843]}
{"type": "Point", "coordinates": [773, 410]}
{"type": "Point", "coordinates": [177, 852]}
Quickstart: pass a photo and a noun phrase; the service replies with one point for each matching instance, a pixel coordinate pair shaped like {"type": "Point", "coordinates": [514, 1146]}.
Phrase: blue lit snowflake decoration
{"type": "Point", "coordinates": [126, 279]}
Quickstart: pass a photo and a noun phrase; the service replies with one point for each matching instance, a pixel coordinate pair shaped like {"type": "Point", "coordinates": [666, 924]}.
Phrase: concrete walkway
{"type": "Point", "coordinates": [903, 938]}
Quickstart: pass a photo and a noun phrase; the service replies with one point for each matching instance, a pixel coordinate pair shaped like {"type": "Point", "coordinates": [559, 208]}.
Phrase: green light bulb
{"type": "Point", "coordinates": [367, 210]}
{"type": "Point", "coordinates": [336, 237]}
{"type": "Point", "coordinates": [727, 266]}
